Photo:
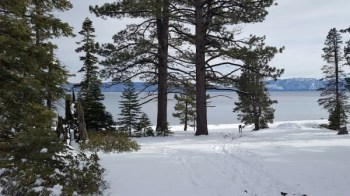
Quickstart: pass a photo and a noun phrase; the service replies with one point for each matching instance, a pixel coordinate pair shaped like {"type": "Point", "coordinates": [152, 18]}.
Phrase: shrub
{"type": "Point", "coordinates": [109, 141]}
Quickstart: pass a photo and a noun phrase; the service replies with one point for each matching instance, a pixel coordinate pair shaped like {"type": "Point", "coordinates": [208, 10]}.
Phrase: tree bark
{"type": "Point", "coordinates": [337, 83]}
{"type": "Point", "coordinates": [186, 116]}
{"type": "Point", "coordinates": [81, 123]}
{"type": "Point", "coordinates": [162, 32]}
{"type": "Point", "coordinates": [201, 107]}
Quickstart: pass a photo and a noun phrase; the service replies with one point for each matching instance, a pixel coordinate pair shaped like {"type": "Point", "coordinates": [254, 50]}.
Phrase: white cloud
{"type": "Point", "coordinates": [299, 25]}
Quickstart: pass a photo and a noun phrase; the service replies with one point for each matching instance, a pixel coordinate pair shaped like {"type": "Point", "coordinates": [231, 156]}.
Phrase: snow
{"type": "Point", "coordinates": [56, 190]}
{"type": "Point", "coordinates": [295, 157]}
{"type": "Point", "coordinates": [44, 150]}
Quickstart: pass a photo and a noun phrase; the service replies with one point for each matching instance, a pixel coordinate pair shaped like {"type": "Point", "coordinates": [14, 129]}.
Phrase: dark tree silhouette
{"type": "Point", "coordinates": [90, 96]}
{"type": "Point", "coordinates": [333, 96]}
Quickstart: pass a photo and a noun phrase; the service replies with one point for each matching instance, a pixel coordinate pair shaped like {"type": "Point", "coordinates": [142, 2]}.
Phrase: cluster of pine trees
{"type": "Point", "coordinates": [333, 96]}
{"type": "Point", "coordinates": [131, 120]}
{"type": "Point", "coordinates": [31, 80]}
{"type": "Point", "coordinates": [176, 41]}
{"type": "Point", "coordinates": [31, 75]}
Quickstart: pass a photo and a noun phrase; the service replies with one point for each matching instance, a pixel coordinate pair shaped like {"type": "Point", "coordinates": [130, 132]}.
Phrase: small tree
{"type": "Point", "coordinates": [185, 106]}
{"type": "Point", "coordinates": [130, 109]}
{"type": "Point", "coordinates": [254, 103]}
{"type": "Point", "coordinates": [90, 95]}
{"type": "Point", "coordinates": [144, 126]}
{"type": "Point", "coordinates": [333, 97]}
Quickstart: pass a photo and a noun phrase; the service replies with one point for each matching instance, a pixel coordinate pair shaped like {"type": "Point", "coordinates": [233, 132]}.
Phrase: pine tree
{"type": "Point", "coordinates": [347, 47]}
{"type": "Point", "coordinates": [141, 49]}
{"type": "Point", "coordinates": [185, 106]}
{"type": "Point", "coordinates": [254, 103]}
{"type": "Point", "coordinates": [29, 76]}
{"type": "Point", "coordinates": [214, 40]}
{"type": "Point", "coordinates": [45, 27]}
{"type": "Point", "coordinates": [144, 126]}
{"type": "Point", "coordinates": [333, 96]}
{"type": "Point", "coordinates": [130, 109]}
{"type": "Point", "coordinates": [90, 96]}
{"type": "Point", "coordinates": [25, 55]}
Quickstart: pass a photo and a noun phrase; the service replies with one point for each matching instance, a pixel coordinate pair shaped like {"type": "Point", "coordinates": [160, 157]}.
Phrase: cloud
{"type": "Point", "coordinates": [299, 25]}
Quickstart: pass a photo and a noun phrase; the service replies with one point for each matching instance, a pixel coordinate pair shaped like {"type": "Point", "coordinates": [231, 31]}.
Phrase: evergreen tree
{"type": "Point", "coordinates": [144, 126]}
{"type": "Point", "coordinates": [347, 47]}
{"type": "Point", "coordinates": [333, 96]}
{"type": "Point", "coordinates": [29, 75]}
{"type": "Point", "coordinates": [137, 47]}
{"type": "Point", "coordinates": [141, 49]}
{"type": "Point", "coordinates": [46, 26]}
{"type": "Point", "coordinates": [185, 106]}
{"type": "Point", "coordinates": [129, 109]}
{"type": "Point", "coordinates": [90, 95]}
{"type": "Point", "coordinates": [214, 40]}
{"type": "Point", "coordinates": [254, 103]}
{"type": "Point", "coordinates": [24, 60]}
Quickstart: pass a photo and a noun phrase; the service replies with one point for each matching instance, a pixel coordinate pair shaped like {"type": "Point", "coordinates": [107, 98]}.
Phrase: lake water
{"type": "Point", "coordinates": [292, 105]}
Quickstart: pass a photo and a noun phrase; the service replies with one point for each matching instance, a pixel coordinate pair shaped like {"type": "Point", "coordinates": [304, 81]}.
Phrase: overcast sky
{"type": "Point", "coordinates": [299, 25]}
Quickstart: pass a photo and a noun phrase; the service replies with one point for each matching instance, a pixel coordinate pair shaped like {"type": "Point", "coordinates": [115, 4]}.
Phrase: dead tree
{"type": "Point", "coordinates": [81, 122]}
{"type": "Point", "coordinates": [73, 122]}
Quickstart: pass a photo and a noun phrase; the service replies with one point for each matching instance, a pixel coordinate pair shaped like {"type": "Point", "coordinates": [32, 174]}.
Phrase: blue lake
{"type": "Point", "coordinates": [292, 105]}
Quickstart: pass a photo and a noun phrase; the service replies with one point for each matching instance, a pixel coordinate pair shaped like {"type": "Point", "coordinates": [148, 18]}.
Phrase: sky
{"type": "Point", "coordinates": [301, 26]}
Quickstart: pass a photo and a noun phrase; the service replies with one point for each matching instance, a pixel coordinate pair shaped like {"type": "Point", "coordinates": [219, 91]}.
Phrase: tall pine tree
{"type": "Point", "coordinates": [129, 109]}
{"type": "Point", "coordinates": [141, 49]}
{"type": "Point", "coordinates": [333, 96]}
{"type": "Point", "coordinates": [90, 95]}
{"type": "Point", "coordinates": [216, 43]}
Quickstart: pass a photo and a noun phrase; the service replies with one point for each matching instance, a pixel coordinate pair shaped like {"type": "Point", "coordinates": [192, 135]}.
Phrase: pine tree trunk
{"type": "Point", "coordinates": [59, 127]}
{"type": "Point", "coordinates": [201, 107]}
{"type": "Point", "coordinates": [49, 90]}
{"type": "Point", "coordinates": [256, 122]}
{"type": "Point", "coordinates": [68, 112]}
{"type": "Point", "coordinates": [162, 32]}
{"type": "Point", "coordinates": [81, 123]}
{"type": "Point", "coordinates": [186, 116]}
{"type": "Point", "coordinates": [337, 84]}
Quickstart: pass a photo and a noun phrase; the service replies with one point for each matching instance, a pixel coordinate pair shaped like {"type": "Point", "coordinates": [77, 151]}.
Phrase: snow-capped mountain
{"type": "Point", "coordinates": [292, 84]}
{"type": "Point", "coordinates": [295, 84]}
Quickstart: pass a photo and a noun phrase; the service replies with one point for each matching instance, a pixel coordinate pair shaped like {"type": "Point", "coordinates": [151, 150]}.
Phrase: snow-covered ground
{"type": "Point", "coordinates": [291, 157]}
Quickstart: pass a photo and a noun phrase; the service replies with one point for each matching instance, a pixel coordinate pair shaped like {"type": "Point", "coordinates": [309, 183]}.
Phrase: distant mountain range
{"type": "Point", "coordinates": [295, 84]}
{"type": "Point", "coordinates": [292, 84]}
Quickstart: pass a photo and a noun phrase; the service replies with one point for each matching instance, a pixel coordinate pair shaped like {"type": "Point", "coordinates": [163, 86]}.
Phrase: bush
{"type": "Point", "coordinates": [43, 166]}
{"type": "Point", "coordinates": [109, 141]}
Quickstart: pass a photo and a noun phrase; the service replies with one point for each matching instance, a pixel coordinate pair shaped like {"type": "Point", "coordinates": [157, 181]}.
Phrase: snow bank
{"type": "Point", "coordinates": [292, 157]}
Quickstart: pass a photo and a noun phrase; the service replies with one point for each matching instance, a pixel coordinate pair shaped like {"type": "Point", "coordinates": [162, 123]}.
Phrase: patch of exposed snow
{"type": "Point", "coordinates": [44, 150]}
{"type": "Point", "coordinates": [56, 190]}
